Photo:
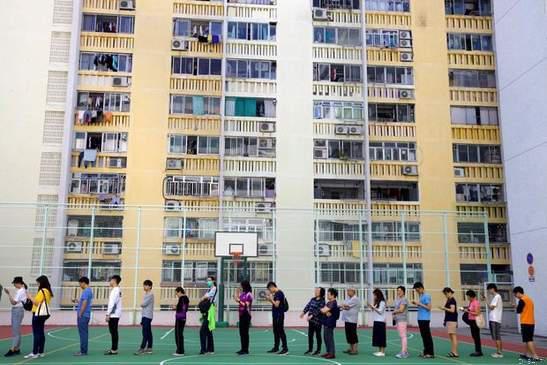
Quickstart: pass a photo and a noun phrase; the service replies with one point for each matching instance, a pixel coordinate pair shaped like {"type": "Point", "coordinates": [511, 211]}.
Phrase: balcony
{"type": "Point", "coordinates": [257, 13]}
{"type": "Point", "coordinates": [198, 165]}
{"type": "Point", "coordinates": [355, 208]}
{"type": "Point", "coordinates": [383, 131]}
{"type": "Point", "coordinates": [97, 249]}
{"type": "Point", "coordinates": [195, 125]}
{"type": "Point", "coordinates": [85, 203]}
{"type": "Point", "coordinates": [338, 169]}
{"type": "Point", "coordinates": [337, 54]}
{"type": "Point", "coordinates": [251, 87]}
{"type": "Point", "coordinates": [475, 253]}
{"type": "Point", "coordinates": [198, 9]}
{"type": "Point", "coordinates": [394, 252]}
{"type": "Point", "coordinates": [349, 91]}
{"type": "Point", "coordinates": [195, 207]}
{"type": "Point", "coordinates": [387, 56]}
{"type": "Point", "coordinates": [71, 290]}
{"type": "Point", "coordinates": [197, 48]}
{"type": "Point", "coordinates": [389, 19]}
{"type": "Point", "coordinates": [254, 49]}
{"type": "Point", "coordinates": [474, 134]}
{"type": "Point", "coordinates": [106, 162]}
{"type": "Point", "coordinates": [472, 60]}
{"type": "Point", "coordinates": [102, 41]}
{"type": "Point", "coordinates": [387, 93]}
{"type": "Point", "coordinates": [391, 170]}
{"type": "Point", "coordinates": [197, 85]}
{"type": "Point", "coordinates": [473, 96]}
{"type": "Point", "coordinates": [469, 24]}
{"type": "Point", "coordinates": [89, 80]}
{"type": "Point", "coordinates": [118, 122]}
{"type": "Point", "coordinates": [248, 126]}
{"type": "Point", "coordinates": [249, 166]}
{"type": "Point", "coordinates": [496, 212]}
{"type": "Point", "coordinates": [482, 173]}
{"type": "Point", "coordinates": [100, 5]}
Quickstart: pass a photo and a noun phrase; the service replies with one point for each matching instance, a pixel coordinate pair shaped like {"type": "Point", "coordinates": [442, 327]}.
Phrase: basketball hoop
{"type": "Point", "coordinates": [236, 252]}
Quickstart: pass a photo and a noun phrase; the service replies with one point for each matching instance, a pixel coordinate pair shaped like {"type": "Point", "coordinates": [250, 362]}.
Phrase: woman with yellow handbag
{"type": "Point", "coordinates": [40, 314]}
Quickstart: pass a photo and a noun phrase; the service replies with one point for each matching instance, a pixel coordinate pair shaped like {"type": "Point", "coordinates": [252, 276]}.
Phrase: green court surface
{"type": "Point", "coordinates": [61, 343]}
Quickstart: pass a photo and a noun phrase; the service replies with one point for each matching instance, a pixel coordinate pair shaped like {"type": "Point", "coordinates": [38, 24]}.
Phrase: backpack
{"type": "Point", "coordinates": [27, 305]}
{"type": "Point", "coordinates": [285, 305]}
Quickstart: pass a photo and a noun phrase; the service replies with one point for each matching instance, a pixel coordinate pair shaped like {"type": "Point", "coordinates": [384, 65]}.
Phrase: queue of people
{"type": "Point", "coordinates": [321, 312]}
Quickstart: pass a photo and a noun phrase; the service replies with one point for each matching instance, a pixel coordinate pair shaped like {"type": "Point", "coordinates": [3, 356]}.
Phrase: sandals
{"type": "Point", "coordinates": [451, 354]}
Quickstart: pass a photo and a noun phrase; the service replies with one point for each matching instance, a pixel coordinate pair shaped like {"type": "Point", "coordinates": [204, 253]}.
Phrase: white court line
{"type": "Point", "coordinates": [300, 332]}
{"type": "Point", "coordinates": [183, 359]}
{"type": "Point", "coordinates": [167, 333]}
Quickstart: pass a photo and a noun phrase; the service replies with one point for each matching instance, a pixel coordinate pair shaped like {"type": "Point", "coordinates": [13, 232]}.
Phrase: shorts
{"type": "Point", "coordinates": [452, 327]}
{"type": "Point", "coordinates": [527, 332]}
{"type": "Point", "coordinates": [495, 331]}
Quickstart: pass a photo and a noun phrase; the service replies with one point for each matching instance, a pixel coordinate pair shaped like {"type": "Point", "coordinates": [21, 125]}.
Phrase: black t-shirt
{"type": "Point", "coordinates": [278, 312]}
{"type": "Point", "coordinates": [449, 316]}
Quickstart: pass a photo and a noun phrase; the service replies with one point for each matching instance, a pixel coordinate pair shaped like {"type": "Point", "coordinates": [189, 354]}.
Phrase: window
{"type": "Point", "coordinates": [252, 31]}
{"type": "Point", "coordinates": [473, 153]}
{"type": "Point", "coordinates": [251, 69]}
{"type": "Point", "coordinates": [392, 151]}
{"type": "Point", "coordinates": [256, 272]}
{"type": "Point", "coordinates": [338, 110]}
{"type": "Point", "coordinates": [474, 115]}
{"type": "Point", "coordinates": [338, 149]}
{"type": "Point", "coordinates": [200, 228]}
{"type": "Point", "coordinates": [390, 75]}
{"type": "Point", "coordinates": [339, 231]}
{"type": "Point", "coordinates": [102, 142]}
{"type": "Point", "coordinates": [100, 270]}
{"type": "Point", "coordinates": [486, 193]}
{"type": "Point", "coordinates": [105, 226]}
{"type": "Point", "coordinates": [340, 36]}
{"type": "Point", "coordinates": [394, 191]}
{"type": "Point", "coordinates": [249, 146]}
{"type": "Point", "coordinates": [200, 29]}
{"type": "Point", "coordinates": [193, 145]}
{"type": "Point", "coordinates": [104, 102]}
{"type": "Point", "coordinates": [468, 7]}
{"type": "Point", "coordinates": [473, 274]}
{"type": "Point", "coordinates": [263, 227]}
{"type": "Point", "coordinates": [249, 187]}
{"type": "Point", "coordinates": [336, 72]}
{"type": "Point", "coordinates": [97, 184]}
{"type": "Point", "coordinates": [392, 231]}
{"type": "Point", "coordinates": [337, 4]}
{"type": "Point", "coordinates": [469, 42]}
{"type": "Point", "coordinates": [195, 66]}
{"type": "Point", "coordinates": [383, 38]}
{"type": "Point", "coordinates": [250, 107]}
{"type": "Point", "coordinates": [472, 78]}
{"type": "Point", "coordinates": [393, 113]}
{"type": "Point", "coordinates": [393, 274]}
{"type": "Point", "coordinates": [339, 189]}
{"type": "Point", "coordinates": [108, 23]}
{"type": "Point", "coordinates": [191, 186]}
{"type": "Point", "coordinates": [115, 62]}
{"type": "Point", "coordinates": [195, 272]}
{"type": "Point", "coordinates": [469, 232]}
{"type": "Point", "coordinates": [339, 272]}
{"type": "Point", "coordinates": [388, 5]}
{"type": "Point", "coordinates": [195, 105]}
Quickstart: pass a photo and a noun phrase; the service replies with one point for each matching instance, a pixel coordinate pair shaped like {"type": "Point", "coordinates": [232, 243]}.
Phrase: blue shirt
{"type": "Point", "coordinates": [87, 294]}
{"type": "Point", "coordinates": [424, 314]}
{"type": "Point", "coordinates": [278, 312]}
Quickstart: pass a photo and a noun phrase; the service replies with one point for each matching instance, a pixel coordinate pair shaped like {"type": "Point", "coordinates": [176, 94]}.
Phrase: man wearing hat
{"type": "Point", "coordinates": [17, 314]}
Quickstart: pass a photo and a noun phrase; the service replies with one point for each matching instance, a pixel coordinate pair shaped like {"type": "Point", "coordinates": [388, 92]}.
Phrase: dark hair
{"type": "Point", "coordinates": [213, 280]}
{"type": "Point", "coordinates": [246, 286]}
{"type": "Point", "coordinates": [271, 284]}
{"type": "Point", "coordinates": [333, 292]}
{"type": "Point", "coordinates": [402, 288]}
{"type": "Point", "coordinates": [117, 278]}
{"type": "Point", "coordinates": [448, 290]}
{"type": "Point", "coordinates": [180, 289]}
{"type": "Point", "coordinates": [471, 293]}
{"type": "Point", "coordinates": [84, 279]}
{"type": "Point", "coordinates": [148, 283]}
{"type": "Point", "coordinates": [378, 297]}
{"type": "Point", "coordinates": [492, 286]}
{"type": "Point", "coordinates": [418, 285]}
{"type": "Point", "coordinates": [43, 283]}
{"type": "Point", "coordinates": [19, 280]}
{"type": "Point", "coordinates": [518, 290]}
{"type": "Point", "coordinates": [321, 292]}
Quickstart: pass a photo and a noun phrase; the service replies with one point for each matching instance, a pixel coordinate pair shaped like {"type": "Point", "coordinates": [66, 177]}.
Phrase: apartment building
{"type": "Point", "coordinates": [320, 125]}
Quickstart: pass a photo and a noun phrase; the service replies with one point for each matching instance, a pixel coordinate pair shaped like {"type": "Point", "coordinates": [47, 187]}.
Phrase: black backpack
{"type": "Point", "coordinates": [285, 304]}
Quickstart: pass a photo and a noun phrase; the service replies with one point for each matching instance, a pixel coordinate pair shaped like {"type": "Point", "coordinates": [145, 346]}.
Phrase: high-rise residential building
{"type": "Point", "coordinates": [321, 125]}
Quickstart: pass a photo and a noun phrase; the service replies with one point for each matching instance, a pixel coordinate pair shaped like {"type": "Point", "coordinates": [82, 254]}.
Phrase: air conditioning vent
{"type": "Point", "coordinates": [262, 294]}
{"type": "Point", "coordinates": [405, 43]}
{"type": "Point", "coordinates": [127, 5]}
{"type": "Point", "coordinates": [341, 129]}
{"type": "Point", "coordinates": [73, 247]}
{"type": "Point", "coordinates": [406, 56]}
{"type": "Point", "coordinates": [172, 205]}
{"type": "Point", "coordinates": [355, 130]}
{"type": "Point", "coordinates": [265, 249]}
{"type": "Point", "coordinates": [410, 170]}
{"type": "Point", "coordinates": [405, 34]}
{"type": "Point", "coordinates": [264, 207]}
{"type": "Point", "coordinates": [174, 164]}
{"type": "Point", "coordinates": [267, 127]}
{"type": "Point", "coordinates": [111, 249]}
{"type": "Point", "coordinates": [120, 81]}
{"type": "Point", "coordinates": [406, 94]}
{"type": "Point", "coordinates": [320, 153]}
{"type": "Point", "coordinates": [320, 14]}
{"type": "Point", "coordinates": [171, 249]}
{"type": "Point", "coordinates": [459, 172]}
{"type": "Point", "coordinates": [323, 250]}
{"type": "Point", "coordinates": [180, 45]}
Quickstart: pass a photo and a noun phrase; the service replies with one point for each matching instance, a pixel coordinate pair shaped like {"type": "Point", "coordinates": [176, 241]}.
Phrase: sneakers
{"type": "Point", "coordinates": [176, 354]}
{"type": "Point", "coordinates": [241, 352]}
{"type": "Point", "coordinates": [139, 352]}
{"type": "Point", "coordinates": [32, 356]}
{"type": "Point", "coordinates": [476, 354]}
{"type": "Point", "coordinates": [111, 352]}
{"type": "Point", "coordinates": [379, 354]}
{"type": "Point", "coordinates": [307, 352]}
{"type": "Point", "coordinates": [273, 351]}
{"type": "Point", "coordinates": [316, 353]}
{"type": "Point", "coordinates": [330, 356]}
{"type": "Point", "coordinates": [402, 355]}
{"type": "Point", "coordinates": [497, 355]}
{"type": "Point", "coordinates": [12, 353]}
{"type": "Point", "coordinates": [78, 354]}
{"type": "Point", "coordinates": [283, 352]}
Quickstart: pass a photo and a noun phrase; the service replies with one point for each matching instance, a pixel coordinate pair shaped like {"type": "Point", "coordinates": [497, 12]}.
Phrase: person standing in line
{"type": "Point", "coordinates": [525, 308]}
{"type": "Point", "coordinates": [424, 319]}
{"type": "Point", "coordinates": [450, 310]}
{"type": "Point", "coordinates": [114, 313]}
{"type": "Point", "coordinates": [83, 311]}
{"type": "Point", "coordinates": [331, 313]}
{"type": "Point", "coordinates": [279, 307]}
{"type": "Point", "coordinates": [379, 335]}
{"type": "Point", "coordinates": [350, 315]}
{"type": "Point", "coordinates": [40, 314]}
{"type": "Point", "coordinates": [181, 310]}
{"type": "Point", "coordinates": [245, 301]}
{"type": "Point", "coordinates": [400, 319]}
{"type": "Point", "coordinates": [473, 310]}
{"type": "Point", "coordinates": [495, 316]}
{"type": "Point", "coordinates": [208, 323]}
{"type": "Point", "coordinates": [17, 314]}
{"type": "Point", "coordinates": [312, 312]}
{"type": "Point", "coordinates": [147, 315]}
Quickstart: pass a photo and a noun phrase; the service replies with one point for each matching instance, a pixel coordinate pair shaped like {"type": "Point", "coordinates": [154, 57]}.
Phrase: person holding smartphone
{"type": "Point", "coordinates": [114, 313]}
{"type": "Point", "coordinates": [83, 310]}
{"type": "Point", "coordinates": [244, 298]}
{"type": "Point", "coordinates": [17, 314]}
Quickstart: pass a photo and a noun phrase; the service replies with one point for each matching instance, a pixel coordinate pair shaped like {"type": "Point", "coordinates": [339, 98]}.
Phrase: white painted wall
{"type": "Point", "coordinates": [521, 28]}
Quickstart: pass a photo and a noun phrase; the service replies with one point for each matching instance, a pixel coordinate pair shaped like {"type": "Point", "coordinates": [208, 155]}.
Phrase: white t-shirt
{"type": "Point", "coordinates": [20, 297]}
{"type": "Point", "coordinates": [495, 315]}
{"type": "Point", "coordinates": [212, 294]}
{"type": "Point", "coordinates": [379, 314]}
{"type": "Point", "coordinates": [115, 303]}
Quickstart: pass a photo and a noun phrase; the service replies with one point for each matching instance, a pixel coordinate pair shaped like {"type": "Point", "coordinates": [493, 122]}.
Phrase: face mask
{"type": "Point", "coordinates": [209, 284]}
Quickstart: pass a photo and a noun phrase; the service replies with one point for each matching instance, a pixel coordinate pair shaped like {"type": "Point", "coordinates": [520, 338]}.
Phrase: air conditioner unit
{"type": "Point", "coordinates": [341, 129]}
{"type": "Point", "coordinates": [406, 94]}
{"type": "Point", "coordinates": [127, 5]}
{"type": "Point", "coordinates": [405, 34]}
{"type": "Point", "coordinates": [264, 207]}
{"type": "Point", "coordinates": [116, 162]}
{"type": "Point", "coordinates": [171, 250]}
{"type": "Point", "coordinates": [72, 227]}
{"type": "Point", "coordinates": [355, 130]}
{"type": "Point", "coordinates": [406, 56]}
{"type": "Point", "coordinates": [265, 249]}
{"type": "Point", "coordinates": [323, 250]}
{"type": "Point", "coordinates": [263, 294]}
{"type": "Point", "coordinates": [120, 81]}
{"type": "Point", "coordinates": [405, 43]}
{"type": "Point", "coordinates": [320, 14]}
{"type": "Point", "coordinates": [180, 45]}
{"type": "Point", "coordinates": [459, 172]}
{"type": "Point", "coordinates": [320, 153]}
{"type": "Point", "coordinates": [111, 249]}
{"type": "Point", "coordinates": [267, 127]}
{"type": "Point", "coordinates": [172, 205]}
{"type": "Point", "coordinates": [73, 247]}
{"type": "Point", "coordinates": [174, 164]}
{"type": "Point", "coordinates": [410, 170]}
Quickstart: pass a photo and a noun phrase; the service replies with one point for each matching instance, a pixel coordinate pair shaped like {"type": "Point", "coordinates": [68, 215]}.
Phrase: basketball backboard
{"type": "Point", "coordinates": [240, 244]}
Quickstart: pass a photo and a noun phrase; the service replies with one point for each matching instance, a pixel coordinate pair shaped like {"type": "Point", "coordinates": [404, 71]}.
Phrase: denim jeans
{"type": "Point", "coordinates": [146, 333]}
{"type": "Point", "coordinates": [38, 334]}
{"type": "Point", "coordinates": [17, 314]}
{"type": "Point", "coordinates": [83, 330]}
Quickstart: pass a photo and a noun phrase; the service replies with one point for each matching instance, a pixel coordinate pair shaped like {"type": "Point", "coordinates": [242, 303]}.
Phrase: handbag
{"type": "Point", "coordinates": [465, 318]}
{"type": "Point", "coordinates": [43, 307]}
{"type": "Point", "coordinates": [27, 305]}
{"type": "Point", "coordinates": [480, 321]}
